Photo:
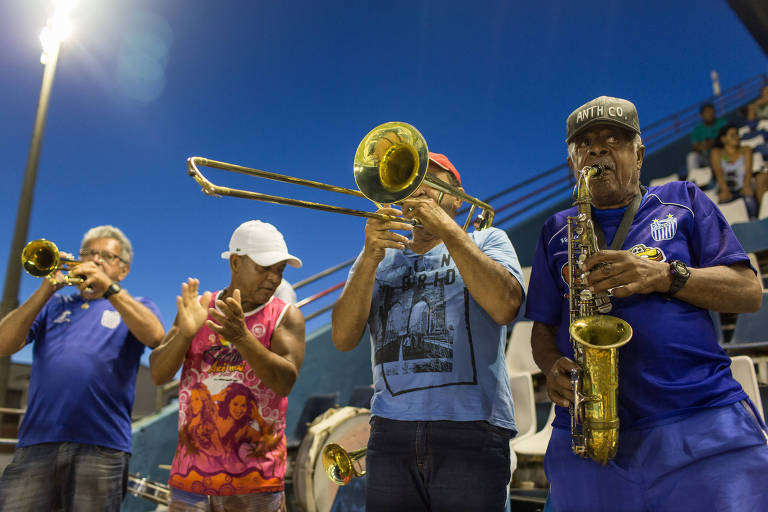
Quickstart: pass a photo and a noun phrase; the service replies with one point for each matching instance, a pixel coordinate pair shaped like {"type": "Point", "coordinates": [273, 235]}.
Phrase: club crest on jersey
{"type": "Point", "coordinates": [664, 229]}
{"type": "Point", "coordinates": [649, 253]}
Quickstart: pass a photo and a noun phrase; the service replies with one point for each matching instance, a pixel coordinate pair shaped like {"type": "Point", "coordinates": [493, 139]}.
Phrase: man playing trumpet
{"type": "Point", "coordinates": [75, 439]}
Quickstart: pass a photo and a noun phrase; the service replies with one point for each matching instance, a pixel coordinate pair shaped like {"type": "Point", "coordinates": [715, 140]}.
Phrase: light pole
{"type": "Point", "coordinates": [55, 31]}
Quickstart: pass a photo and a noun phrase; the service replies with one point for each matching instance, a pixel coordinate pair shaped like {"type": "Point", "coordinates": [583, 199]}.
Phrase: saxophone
{"type": "Point", "coordinates": [596, 338]}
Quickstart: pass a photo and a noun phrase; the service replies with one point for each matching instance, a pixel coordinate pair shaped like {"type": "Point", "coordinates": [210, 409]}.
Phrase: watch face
{"type": "Point", "coordinates": [681, 269]}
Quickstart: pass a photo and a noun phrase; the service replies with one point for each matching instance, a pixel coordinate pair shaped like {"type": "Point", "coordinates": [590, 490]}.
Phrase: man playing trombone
{"type": "Point", "coordinates": [437, 306]}
{"type": "Point", "coordinates": [75, 439]}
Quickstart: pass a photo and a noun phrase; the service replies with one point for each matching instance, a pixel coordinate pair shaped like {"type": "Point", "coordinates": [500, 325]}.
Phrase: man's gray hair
{"type": "Point", "coordinates": [126, 249]}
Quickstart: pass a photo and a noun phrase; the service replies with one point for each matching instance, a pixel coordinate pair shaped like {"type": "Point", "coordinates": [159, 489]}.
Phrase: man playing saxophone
{"type": "Point", "coordinates": [683, 419]}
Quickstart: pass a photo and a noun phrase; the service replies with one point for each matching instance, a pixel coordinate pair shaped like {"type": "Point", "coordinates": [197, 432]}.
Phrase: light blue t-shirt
{"type": "Point", "coordinates": [436, 354]}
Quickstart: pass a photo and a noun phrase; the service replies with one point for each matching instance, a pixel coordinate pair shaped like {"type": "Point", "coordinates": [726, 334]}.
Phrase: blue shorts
{"type": "Point", "coordinates": [712, 460]}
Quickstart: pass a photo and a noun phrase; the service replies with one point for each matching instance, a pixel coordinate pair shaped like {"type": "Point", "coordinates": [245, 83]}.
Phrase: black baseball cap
{"type": "Point", "coordinates": [602, 110]}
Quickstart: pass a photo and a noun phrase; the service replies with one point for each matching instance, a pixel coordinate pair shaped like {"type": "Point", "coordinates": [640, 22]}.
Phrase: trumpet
{"type": "Point", "coordinates": [41, 258]}
{"type": "Point", "coordinates": [390, 164]}
{"type": "Point", "coordinates": [339, 464]}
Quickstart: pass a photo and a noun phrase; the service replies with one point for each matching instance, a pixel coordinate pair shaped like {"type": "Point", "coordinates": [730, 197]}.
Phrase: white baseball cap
{"type": "Point", "coordinates": [262, 242]}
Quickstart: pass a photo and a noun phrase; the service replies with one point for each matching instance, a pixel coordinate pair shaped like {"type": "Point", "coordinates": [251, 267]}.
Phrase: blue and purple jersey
{"type": "Point", "coordinates": [673, 364]}
{"type": "Point", "coordinates": [83, 379]}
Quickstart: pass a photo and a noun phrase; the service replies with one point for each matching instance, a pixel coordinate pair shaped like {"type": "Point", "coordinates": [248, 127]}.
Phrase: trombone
{"type": "Point", "coordinates": [390, 164]}
{"type": "Point", "coordinates": [41, 258]}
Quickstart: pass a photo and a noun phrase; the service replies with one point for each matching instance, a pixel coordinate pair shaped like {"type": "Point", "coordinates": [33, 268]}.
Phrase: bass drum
{"type": "Point", "coordinates": [346, 426]}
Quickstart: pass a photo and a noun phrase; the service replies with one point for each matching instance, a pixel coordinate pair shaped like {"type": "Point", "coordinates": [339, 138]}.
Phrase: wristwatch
{"type": "Point", "coordinates": [113, 289]}
{"type": "Point", "coordinates": [679, 273]}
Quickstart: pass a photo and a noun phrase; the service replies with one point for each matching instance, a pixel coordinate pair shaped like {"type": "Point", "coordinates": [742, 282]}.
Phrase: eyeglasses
{"type": "Point", "coordinates": [105, 256]}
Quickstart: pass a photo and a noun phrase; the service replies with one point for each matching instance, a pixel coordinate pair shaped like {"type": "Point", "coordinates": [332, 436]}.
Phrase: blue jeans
{"type": "Point", "coordinates": [436, 466]}
{"type": "Point", "coordinates": [64, 477]}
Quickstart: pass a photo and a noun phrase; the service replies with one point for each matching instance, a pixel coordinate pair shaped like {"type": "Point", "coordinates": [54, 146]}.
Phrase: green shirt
{"type": "Point", "coordinates": [704, 132]}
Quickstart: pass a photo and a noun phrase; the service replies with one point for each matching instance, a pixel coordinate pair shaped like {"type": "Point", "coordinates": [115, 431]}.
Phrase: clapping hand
{"type": "Point", "coordinates": [192, 314]}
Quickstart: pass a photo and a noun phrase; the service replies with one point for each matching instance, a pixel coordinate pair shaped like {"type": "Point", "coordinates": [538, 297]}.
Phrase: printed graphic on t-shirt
{"type": "Point", "coordinates": [231, 435]}
{"type": "Point", "coordinates": [417, 343]}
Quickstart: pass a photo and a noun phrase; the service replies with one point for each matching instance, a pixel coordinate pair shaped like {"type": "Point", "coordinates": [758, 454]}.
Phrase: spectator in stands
{"type": "Point", "coordinates": [437, 306]}
{"type": "Point", "coordinates": [732, 166]}
{"type": "Point", "coordinates": [758, 109]}
{"type": "Point", "coordinates": [703, 137]}
{"type": "Point", "coordinates": [241, 348]}
{"type": "Point", "coordinates": [689, 439]}
{"type": "Point", "coordinates": [75, 441]}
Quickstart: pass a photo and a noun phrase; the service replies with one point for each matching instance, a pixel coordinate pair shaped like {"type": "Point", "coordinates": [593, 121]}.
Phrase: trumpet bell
{"type": "Point", "coordinates": [339, 464]}
{"type": "Point", "coordinates": [40, 257]}
{"type": "Point", "coordinates": [391, 162]}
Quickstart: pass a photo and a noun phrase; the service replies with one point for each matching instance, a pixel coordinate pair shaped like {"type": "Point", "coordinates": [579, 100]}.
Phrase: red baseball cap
{"type": "Point", "coordinates": [445, 164]}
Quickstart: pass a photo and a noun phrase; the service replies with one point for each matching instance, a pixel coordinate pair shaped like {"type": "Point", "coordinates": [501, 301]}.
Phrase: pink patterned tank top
{"type": "Point", "coordinates": [231, 426]}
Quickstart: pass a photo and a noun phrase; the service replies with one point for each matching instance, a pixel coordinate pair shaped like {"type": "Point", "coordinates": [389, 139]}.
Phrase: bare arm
{"type": "Point", "coordinates": [556, 366]}
{"type": "Point", "coordinates": [727, 289]}
{"type": "Point", "coordinates": [137, 317]}
{"type": "Point", "coordinates": [489, 283]}
{"type": "Point", "coordinates": [350, 313]}
{"type": "Point", "coordinates": [16, 324]}
{"type": "Point", "coordinates": [165, 360]}
{"type": "Point", "coordinates": [279, 367]}
{"type": "Point", "coordinates": [140, 320]}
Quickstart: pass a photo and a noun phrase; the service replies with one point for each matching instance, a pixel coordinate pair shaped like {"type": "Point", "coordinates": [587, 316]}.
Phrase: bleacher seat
{"type": "Point", "coordinates": [744, 130]}
{"type": "Point", "coordinates": [666, 179]}
{"type": "Point", "coordinates": [763, 207]}
{"type": "Point", "coordinates": [313, 407]}
{"type": "Point", "coordinates": [701, 177]}
{"type": "Point", "coordinates": [536, 445]}
{"type": "Point", "coordinates": [753, 142]}
{"type": "Point", "coordinates": [712, 194]}
{"type": "Point", "coordinates": [743, 370]}
{"type": "Point", "coordinates": [521, 385]}
{"type": "Point", "coordinates": [361, 397]}
{"type": "Point", "coordinates": [519, 354]}
{"type": "Point", "coordinates": [734, 211]}
{"type": "Point", "coordinates": [526, 276]}
{"type": "Point", "coordinates": [762, 125]}
{"type": "Point", "coordinates": [757, 161]}
{"type": "Point", "coordinates": [752, 327]}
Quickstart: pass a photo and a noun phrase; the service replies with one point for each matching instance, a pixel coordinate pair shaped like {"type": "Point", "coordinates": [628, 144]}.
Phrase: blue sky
{"type": "Point", "coordinates": [293, 87]}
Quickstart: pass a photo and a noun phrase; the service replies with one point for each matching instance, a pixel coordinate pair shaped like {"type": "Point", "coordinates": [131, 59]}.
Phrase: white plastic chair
{"type": "Point", "coordinates": [536, 445]}
{"type": "Point", "coordinates": [519, 354]}
{"type": "Point", "coordinates": [665, 179]}
{"type": "Point", "coordinates": [743, 370]}
{"type": "Point", "coordinates": [744, 130]}
{"type": "Point", "coordinates": [761, 126]}
{"type": "Point", "coordinates": [753, 260]}
{"type": "Point", "coordinates": [712, 194]}
{"type": "Point", "coordinates": [753, 142]}
{"type": "Point", "coordinates": [701, 177]}
{"type": "Point", "coordinates": [763, 207]}
{"type": "Point", "coordinates": [521, 385]}
{"type": "Point", "coordinates": [735, 211]}
{"type": "Point", "coordinates": [757, 161]}
{"type": "Point", "coordinates": [526, 276]}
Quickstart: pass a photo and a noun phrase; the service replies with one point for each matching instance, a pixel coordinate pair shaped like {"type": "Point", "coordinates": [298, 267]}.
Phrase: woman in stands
{"type": "Point", "coordinates": [732, 166]}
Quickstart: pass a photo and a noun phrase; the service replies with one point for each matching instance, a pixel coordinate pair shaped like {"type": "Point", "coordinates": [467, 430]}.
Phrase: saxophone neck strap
{"type": "Point", "coordinates": [626, 223]}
